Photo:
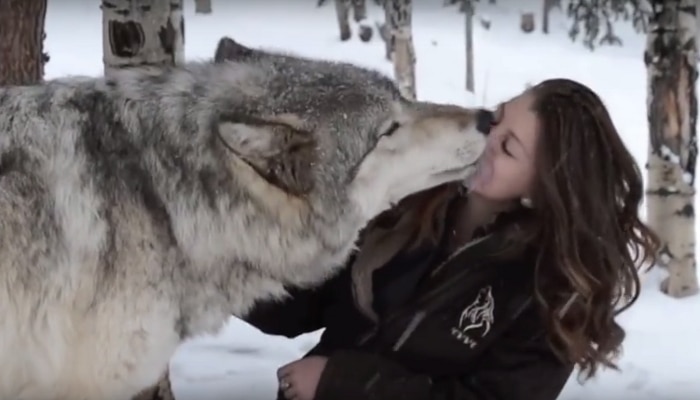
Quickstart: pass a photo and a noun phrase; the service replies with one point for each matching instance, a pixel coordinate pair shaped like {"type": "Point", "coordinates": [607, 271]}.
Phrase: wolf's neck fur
{"type": "Point", "coordinates": [225, 220]}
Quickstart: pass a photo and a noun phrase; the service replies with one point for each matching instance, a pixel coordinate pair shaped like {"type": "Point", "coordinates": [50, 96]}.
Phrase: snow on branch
{"type": "Point", "coordinates": [594, 19]}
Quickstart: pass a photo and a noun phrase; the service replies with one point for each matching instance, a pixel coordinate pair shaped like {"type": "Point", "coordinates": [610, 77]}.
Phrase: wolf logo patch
{"type": "Point", "coordinates": [476, 319]}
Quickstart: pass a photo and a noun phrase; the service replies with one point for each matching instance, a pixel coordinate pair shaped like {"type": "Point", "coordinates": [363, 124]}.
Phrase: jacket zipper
{"type": "Point", "coordinates": [419, 315]}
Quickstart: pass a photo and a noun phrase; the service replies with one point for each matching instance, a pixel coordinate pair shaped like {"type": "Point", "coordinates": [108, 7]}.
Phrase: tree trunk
{"type": "Point", "coordinates": [359, 10]}
{"type": "Point", "coordinates": [399, 25]}
{"type": "Point", "coordinates": [342, 12]}
{"type": "Point", "coordinates": [697, 25]}
{"type": "Point", "coordinates": [385, 32]}
{"type": "Point", "coordinates": [142, 33]}
{"type": "Point", "coordinates": [22, 56]}
{"type": "Point", "coordinates": [202, 6]}
{"type": "Point", "coordinates": [546, 6]}
{"type": "Point", "coordinates": [670, 58]}
{"type": "Point", "coordinates": [469, 29]}
{"type": "Point", "coordinates": [527, 22]}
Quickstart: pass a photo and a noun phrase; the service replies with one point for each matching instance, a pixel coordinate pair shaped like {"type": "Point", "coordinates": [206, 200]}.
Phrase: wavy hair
{"type": "Point", "coordinates": [584, 225]}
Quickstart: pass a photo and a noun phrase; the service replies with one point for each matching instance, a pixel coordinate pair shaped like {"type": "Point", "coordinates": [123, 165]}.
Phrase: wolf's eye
{"type": "Point", "coordinates": [392, 128]}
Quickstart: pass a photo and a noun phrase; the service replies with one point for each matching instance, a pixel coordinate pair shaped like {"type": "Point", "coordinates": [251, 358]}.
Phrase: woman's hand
{"type": "Point", "coordinates": [298, 380]}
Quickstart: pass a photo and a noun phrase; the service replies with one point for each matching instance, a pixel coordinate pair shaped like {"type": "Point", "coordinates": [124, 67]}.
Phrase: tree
{"type": "Point", "coordinates": [359, 11]}
{"type": "Point", "coordinates": [671, 61]}
{"type": "Point", "coordinates": [469, 30]}
{"type": "Point", "coordinates": [142, 33]}
{"type": "Point", "coordinates": [342, 11]}
{"type": "Point", "coordinates": [202, 6]}
{"type": "Point", "coordinates": [384, 32]}
{"type": "Point", "coordinates": [547, 6]}
{"type": "Point", "coordinates": [22, 56]}
{"type": "Point", "coordinates": [589, 15]}
{"type": "Point", "coordinates": [399, 13]}
{"type": "Point", "coordinates": [468, 7]}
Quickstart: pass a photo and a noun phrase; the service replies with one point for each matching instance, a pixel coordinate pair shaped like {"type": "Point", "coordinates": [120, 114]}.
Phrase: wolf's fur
{"type": "Point", "coordinates": [143, 209]}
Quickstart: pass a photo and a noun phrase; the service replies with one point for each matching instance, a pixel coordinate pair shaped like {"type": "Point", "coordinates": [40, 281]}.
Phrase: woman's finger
{"type": "Point", "coordinates": [285, 370]}
{"type": "Point", "coordinates": [286, 383]}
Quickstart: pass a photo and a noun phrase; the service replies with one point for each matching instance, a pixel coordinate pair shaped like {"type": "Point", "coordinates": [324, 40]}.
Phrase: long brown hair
{"type": "Point", "coordinates": [584, 224]}
{"type": "Point", "coordinates": [591, 240]}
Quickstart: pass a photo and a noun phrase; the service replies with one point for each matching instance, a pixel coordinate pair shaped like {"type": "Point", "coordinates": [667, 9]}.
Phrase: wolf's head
{"type": "Point", "coordinates": [329, 128]}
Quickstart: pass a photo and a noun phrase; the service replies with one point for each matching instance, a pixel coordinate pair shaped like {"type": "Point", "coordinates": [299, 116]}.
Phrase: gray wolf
{"type": "Point", "coordinates": [139, 210]}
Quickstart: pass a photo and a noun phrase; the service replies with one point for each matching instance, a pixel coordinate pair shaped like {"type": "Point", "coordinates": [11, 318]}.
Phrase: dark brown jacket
{"type": "Point", "coordinates": [419, 326]}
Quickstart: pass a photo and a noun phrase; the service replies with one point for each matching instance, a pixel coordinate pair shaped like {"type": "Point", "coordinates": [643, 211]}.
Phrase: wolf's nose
{"type": "Point", "coordinates": [484, 121]}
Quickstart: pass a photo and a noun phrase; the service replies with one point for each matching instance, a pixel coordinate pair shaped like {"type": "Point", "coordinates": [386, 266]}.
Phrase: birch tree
{"type": "Point", "coordinates": [342, 12]}
{"type": "Point", "coordinates": [22, 56]}
{"type": "Point", "coordinates": [142, 33]}
{"type": "Point", "coordinates": [202, 6]}
{"type": "Point", "coordinates": [384, 32]}
{"type": "Point", "coordinates": [671, 61]}
{"type": "Point", "coordinates": [399, 16]}
{"type": "Point", "coordinates": [547, 7]}
{"type": "Point", "coordinates": [469, 43]}
{"type": "Point", "coordinates": [359, 10]}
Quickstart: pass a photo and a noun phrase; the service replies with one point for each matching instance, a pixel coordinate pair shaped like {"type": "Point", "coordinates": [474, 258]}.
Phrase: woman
{"type": "Point", "coordinates": [498, 293]}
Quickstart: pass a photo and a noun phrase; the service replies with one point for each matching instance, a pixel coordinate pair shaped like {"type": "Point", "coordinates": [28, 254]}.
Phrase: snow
{"type": "Point", "coordinates": [660, 357]}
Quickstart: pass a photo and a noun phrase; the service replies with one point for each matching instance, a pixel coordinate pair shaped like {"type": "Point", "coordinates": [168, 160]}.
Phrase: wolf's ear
{"type": "Point", "coordinates": [278, 152]}
{"type": "Point", "coordinates": [251, 141]}
{"type": "Point", "coordinates": [230, 50]}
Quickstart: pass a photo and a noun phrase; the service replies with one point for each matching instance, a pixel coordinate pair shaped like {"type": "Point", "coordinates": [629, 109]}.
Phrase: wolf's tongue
{"type": "Point", "coordinates": [482, 176]}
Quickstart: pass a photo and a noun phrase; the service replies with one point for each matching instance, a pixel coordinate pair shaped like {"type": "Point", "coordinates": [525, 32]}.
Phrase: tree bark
{"type": "Point", "coordinates": [546, 6]}
{"type": "Point", "coordinates": [399, 25]}
{"type": "Point", "coordinates": [385, 34]}
{"type": "Point", "coordinates": [697, 25]}
{"type": "Point", "coordinates": [469, 30]}
{"type": "Point", "coordinates": [359, 10]}
{"type": "Point", "coordinates": [142, 33]}
{"type": "Point", "coordinates": [670, 58]}
{"type": "Point", "coordinates": [527, 22]}
{"type": "Point", "coordinates": [202, 6]}
{"type": "Point", "coordinates": [342, 12]}
{"type": "Point", "coordinates": [22, 56]}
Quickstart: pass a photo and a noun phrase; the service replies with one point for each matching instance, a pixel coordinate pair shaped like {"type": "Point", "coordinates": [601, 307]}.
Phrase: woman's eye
{"type": "Point", "coordinates": [505, 148]}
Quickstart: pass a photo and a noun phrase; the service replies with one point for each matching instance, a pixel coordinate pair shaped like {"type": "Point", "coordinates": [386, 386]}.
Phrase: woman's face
{"type": "Point", "coordinates": [507, 168]}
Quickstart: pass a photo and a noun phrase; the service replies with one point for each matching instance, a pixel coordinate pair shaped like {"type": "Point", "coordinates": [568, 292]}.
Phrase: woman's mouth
{"type": "Point", "coordinates": [482, 176]}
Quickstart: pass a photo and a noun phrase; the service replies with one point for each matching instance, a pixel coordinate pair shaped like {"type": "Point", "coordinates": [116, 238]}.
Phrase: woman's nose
{"type": "Point", "coordinates": [484, 121]}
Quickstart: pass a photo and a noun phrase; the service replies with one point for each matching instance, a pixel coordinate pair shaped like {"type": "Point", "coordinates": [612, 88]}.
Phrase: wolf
{"type": "Point", "coordinates": [143, 208]}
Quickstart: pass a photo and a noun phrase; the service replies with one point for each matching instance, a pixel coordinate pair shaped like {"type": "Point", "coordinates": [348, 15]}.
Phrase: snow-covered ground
{"type": "Point", "coordinates": [660, 360]}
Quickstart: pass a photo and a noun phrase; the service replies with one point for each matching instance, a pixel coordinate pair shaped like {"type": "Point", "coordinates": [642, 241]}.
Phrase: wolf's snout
{"type": "Point", "coordinates": [484, 121]}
